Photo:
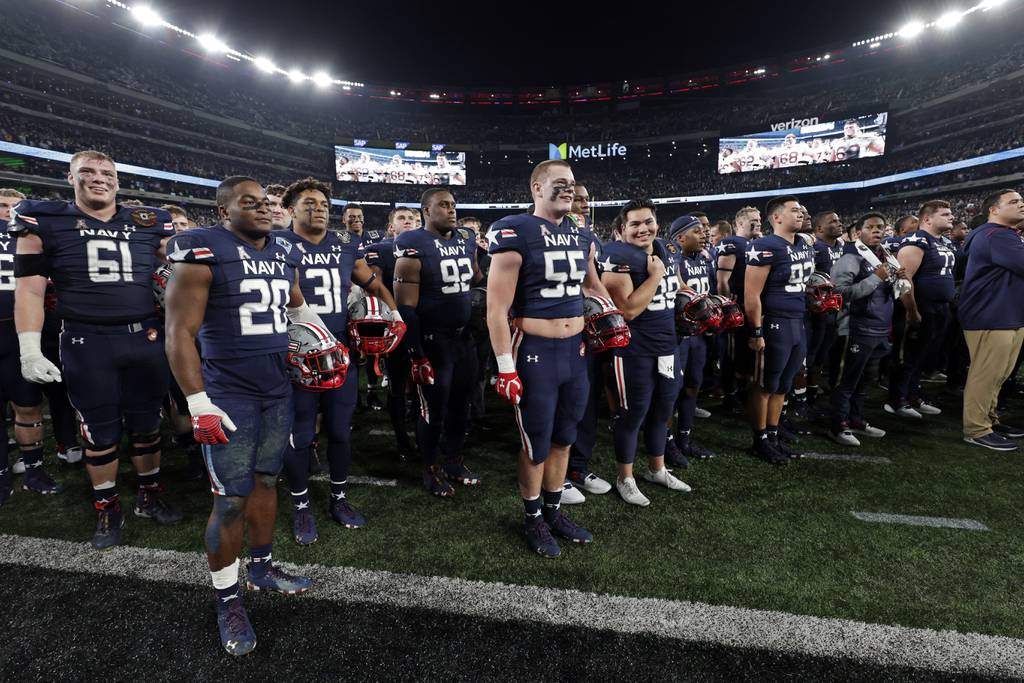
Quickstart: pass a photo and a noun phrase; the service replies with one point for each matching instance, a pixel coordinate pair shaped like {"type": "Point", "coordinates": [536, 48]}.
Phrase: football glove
{"type": "Point", "coordinates": [208, 421]}
{"type": "Point", "coordinates": [35, 367]}
{"type": "Point", "coordinates": [421, 371]}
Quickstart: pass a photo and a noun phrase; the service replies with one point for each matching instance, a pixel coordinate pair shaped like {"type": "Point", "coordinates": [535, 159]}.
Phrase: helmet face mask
{"type": "Point", "coordinates": [732, 314]}
{"type": "Point", "coordinates": [161, 278]}
{"type": "Point", "coordinates": [821, 296]}
{"type": "Point", "coordinates": [696, 314]}
{"type": "Point", "coordinates": [371, 327]}
{"type": "Point", "coordinates": [604, 326]}
{"type": "Point", "coordinates": [316, 361]}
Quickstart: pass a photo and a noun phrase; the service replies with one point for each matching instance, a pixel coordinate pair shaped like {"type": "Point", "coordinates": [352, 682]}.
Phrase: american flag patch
{"type": "Point", "coordinates": [507, 233]}
{"type": "Point", "coordinates": [201, 253]}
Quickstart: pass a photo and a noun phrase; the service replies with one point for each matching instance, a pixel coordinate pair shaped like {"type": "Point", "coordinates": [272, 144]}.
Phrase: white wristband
{"type": "Point", "coordinates": [396, 316]}
{"type": "Point", "coordinates": [198, 403]}
{"type": "Point", "coordinates": [28, 343]}
{"type": "Point", "coordinates": [506, 364]}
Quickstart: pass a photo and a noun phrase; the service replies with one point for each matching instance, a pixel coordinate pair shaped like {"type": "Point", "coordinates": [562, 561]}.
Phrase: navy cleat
{"type": "Point", "coordinates": [36, 479]}
{"type": "Point", "coordinates": [236, 634]}
{"type": "Point", "coordinates": [694, 451]}
{"type": "Point", "coordinates": [458, 471]}
{"type": "Point", "coordinates": [304, 527]}
{"type": "Point", "coordinates": [435, 481]}
{"type": "Point", "coordinates": [279, 581]}
{"type": "Point", "coordinates": [790, 431]}
{"type": "Point", "coordinates": [764, 450]}
{"type": "Point", "coordinates": [108, 527]}
{"type": "Point", "coordinates": [782, 447]}
{"type": "Point", "coordinates": [150, 505]}
{"type": "Point", "coordinates": [563, 527]}
{"type": "Point", "coordinates": [345, 515]}
{"type": "Point", "coordinates": [673, 456]}
{"type": "Point", "coordinates": [539, 538]}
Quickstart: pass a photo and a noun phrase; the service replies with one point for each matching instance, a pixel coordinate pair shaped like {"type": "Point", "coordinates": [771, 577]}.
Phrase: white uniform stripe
{"type": "Point", "coordinates": [620, 382]}
{"type": "Point", "coordinates": [517, 340]}
{"type": "Point", "coordinates": [217, 486]}
{"type": "Point", "coordinates": [424, 408]}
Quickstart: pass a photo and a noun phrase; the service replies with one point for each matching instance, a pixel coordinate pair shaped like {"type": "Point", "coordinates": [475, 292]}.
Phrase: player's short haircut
{"type": "Point", "coordinates": [275, 189]}
{"type": "Point", "coordinates": [472, 219]}
{"type": "Point", "coordinates": [865, 217]}
{"type": "Point", "coordinates": [90, 154]}
{"type": "Point", "coordinates": [226, 189]}
{"type": "Point", "coordinates": [396, 210]}
{"type": "Point", "coordinates": [724, 227]}
{"type": "Point", "coordinates": [901, 220]}
{"type": "Point", "coordinates": [11, 192]}
{"type": "Point", "coordinates": [132, 202]}
{"type": "Point", "coordinates": [174, 210]}
{"type": "Point", "coordinates": [351, 207]}
{"type": "Point", "coordinates": [291, 195]}
{"type": "Point", "coordinates": [429, 193]}
{"type": "Point", "coordinates": [819, 218]}
{"type": "Point", "coordinates": [698, 214]}
{"type": "Point", "coordinates": [541, 170]}
{"type": "Point", "coordinates": [930, 207]}
{"type": "Point", "coordinates": [991, 200]}
{"type": "Point", "coordinates": [745, 211]}
{"type": "Point", "coordinates": [635, 205]}
{"type": "Point", "coordinates": [776, 203]}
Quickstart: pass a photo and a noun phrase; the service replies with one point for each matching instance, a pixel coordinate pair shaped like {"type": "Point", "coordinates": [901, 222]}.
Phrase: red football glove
{"type": "Point", "coordinates": [208, 421]}
{"type": "Point", "coordinates": [399, 329]}
{"type": "Point", "coordinates": [509, 387]}
{"type": "Point", "coordinates": [421, 372]}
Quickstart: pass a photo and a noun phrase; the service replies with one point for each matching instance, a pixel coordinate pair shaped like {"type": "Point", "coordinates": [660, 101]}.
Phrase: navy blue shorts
{"type": "Point", "coordinates": [785, 347]}
{"type": "Point", "coordinates": [14, 387]}
{"type": "Point", "coordinates": [555, 386]}
{"type": "Point", "coordinates": [337, 405]}
{"type": "Point", "coordinates": [444, 405]}
{"type": "Point", "coordinates": [115, 376]}
{"type": "Point", "coordinates": [693, 353]}
{"type": "Point", "coordinates": [255, 447]}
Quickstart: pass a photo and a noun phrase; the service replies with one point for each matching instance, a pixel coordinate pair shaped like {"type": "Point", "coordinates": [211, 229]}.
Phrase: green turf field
{"type": "Point", "coordinates": [749, 534]}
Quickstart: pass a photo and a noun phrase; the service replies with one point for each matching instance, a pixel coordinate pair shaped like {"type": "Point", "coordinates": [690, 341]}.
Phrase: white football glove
{"type": "Point", "coordinates": [35, 367]}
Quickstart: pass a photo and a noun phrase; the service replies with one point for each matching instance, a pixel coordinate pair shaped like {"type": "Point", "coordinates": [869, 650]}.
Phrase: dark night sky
{"type": "Point", "coordinates": [537, 43]}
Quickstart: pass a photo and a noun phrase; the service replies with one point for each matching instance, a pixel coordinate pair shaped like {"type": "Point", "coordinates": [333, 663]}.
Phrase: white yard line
{"type": "Point", "coordinates": [915, 520]}
{"type": "Point", "coordinates": [369, 481]}
{"type": "Point", "coordinates": [684, 621]}
{"type": "Point", "coordinates": [849, 457]}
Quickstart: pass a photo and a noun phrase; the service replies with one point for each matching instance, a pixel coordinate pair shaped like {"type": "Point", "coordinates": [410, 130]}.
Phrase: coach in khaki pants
{"type": "Point", "coordinates": [992, 316]}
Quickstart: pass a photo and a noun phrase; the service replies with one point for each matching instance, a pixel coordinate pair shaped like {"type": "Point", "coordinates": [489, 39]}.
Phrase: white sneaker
{"type": "Point", "coordinates": [868, 430]}
{"type": "Point", "coordinates": [18, 467]}
{"type": "Point", "coordinates": [665, 478]}
{"type": "Point", "coordinates": [572, 495]}
{"type": "Point", "coordinates": [70, 456]}
{"type": "Point", "coordinates": [700, 412]}
{"type": "Point", "coordinates": [630, 493]}
{"type": "Point", "coordinates": [844, 438]}
{"type": "Point", "coordinates": [594, 484]}
{"type": "Point", "coordinates": [926, 408]}
{"type": "Point", "coordinates": [902, 411]}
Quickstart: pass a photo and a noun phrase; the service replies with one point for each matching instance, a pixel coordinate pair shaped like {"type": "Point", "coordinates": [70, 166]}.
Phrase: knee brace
{"type": "Point", "coordinates": [29, 425]}
{"type": "Point", "coordinates": [145, 444]}
{"type": "Point", "coordinates": [98, 460]}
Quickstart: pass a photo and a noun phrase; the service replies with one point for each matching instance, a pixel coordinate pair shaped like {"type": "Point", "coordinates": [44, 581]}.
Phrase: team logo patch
{"type": "Point", "coordinates": [464, 233]}
{"type": "Point", "coordinates": [152, 334]}
{"type": "Point", "coordinates": [145, 218]}
{"type": "Point", "coordinates": [283, 243]}
{"type": "Point", "coordinates": [345, 236]}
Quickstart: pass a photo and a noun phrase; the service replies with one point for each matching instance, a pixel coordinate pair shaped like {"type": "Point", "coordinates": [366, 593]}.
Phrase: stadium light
{"type": "Point", "coordinates": [147, 16]}
{"type": "Point", "coordinates": [949, 20]}
{"type": "Point", "coordinates": [911, 29]}
{"type": "Point", "coordinates": [296, 76]}
{"type": "Point", "coordinates": [322, 79]}
{"type": "Point", "coordinates": [265, 65]}
{"type": "Point", "coordinates": [989, 4]}
{"type": "Point", "coordinates": [212, 43]}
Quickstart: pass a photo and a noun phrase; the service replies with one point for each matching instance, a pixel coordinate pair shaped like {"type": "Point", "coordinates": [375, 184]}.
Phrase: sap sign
{"type": "Point", "coordinates": [599, 151]}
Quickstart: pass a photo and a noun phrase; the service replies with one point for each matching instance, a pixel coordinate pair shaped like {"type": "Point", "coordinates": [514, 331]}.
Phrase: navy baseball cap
{"type": "Point", "coordinates": [682, 224]}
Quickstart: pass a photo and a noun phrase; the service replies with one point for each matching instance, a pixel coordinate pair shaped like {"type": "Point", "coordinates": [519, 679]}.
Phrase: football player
{"type": "Point", "coordinates": [856, 144]}
{"type": "Point", "coordinates": [381, 259]}
{"type": "Point", "coordinates": [330, 263]}
{"type": "Point", "coordinates": [435, 267]}
{"type": "Point", "coordinates": [540, 270]}
{"type": "Point", "coordinates": [737, 359]}
{"type": "Point", "coordinates": [101, 258]}
{"type": "Point", "coordinates": [278, 213]}
{"type": "Point", "coordinates": [777, 269]}
{"type": "Point", "coordinates": [235, 289]}
{"type": "Point", "coordinates": [179, 217]}
{"type": "Point", "coordinates": [791, 153]}
{"type": "Point", "coordinates": [929, 264]}
{"type": "Point", "coordinates": [352, 218]}
{"type": "Point", "coordinates": [823, 328]}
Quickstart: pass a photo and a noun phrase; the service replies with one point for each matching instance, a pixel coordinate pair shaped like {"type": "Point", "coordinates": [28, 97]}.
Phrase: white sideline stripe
{"type": "Point", "coordinates": [684, 621]}
{"type": "Point", "coordinates": [370, 481]}
{"type": "Point", "coordinates": [914, 520]}
{"type": "Point", "coordinates": [849, 457]}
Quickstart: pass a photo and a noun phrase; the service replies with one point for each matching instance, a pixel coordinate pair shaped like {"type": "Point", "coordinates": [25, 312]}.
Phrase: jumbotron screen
{"type": "Point", "coordinates": [399, 166]}
{"type": "Point", "coordinates": [807, 142]}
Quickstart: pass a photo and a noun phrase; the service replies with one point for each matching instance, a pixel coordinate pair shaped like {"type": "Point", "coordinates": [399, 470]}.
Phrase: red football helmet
{"type": "Point", "coordinates": [604, 326]}
{"type": "Point", "coordinates": [372, 328]}
{"type": "Point", "coordinates": [161, 277]}
{"type": "Point", "coordinates": [732, 314]}
{"type": "Point", "coordinates": [316, 360]}
{"type": "Point", "coordinates": [821, 297]}
{"type": "Point", "coordinates": [696, 314]}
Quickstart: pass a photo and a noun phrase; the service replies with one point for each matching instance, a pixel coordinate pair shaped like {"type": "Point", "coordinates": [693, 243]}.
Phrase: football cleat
{"type": "Point", "coordinates": [37, 480]}
{"type": "Point", "coordinates": [539, 538]}
{"type": "Point", "coordinates": [373, 401]}
{"type": "Point", "coordinates": [627, 488]}
{"type": "Point", "coordinates": [236, 634]}
{"type": "Point", "coordinates": [788, 431]}
{"type": "Point", "coordinates": [19, 466]}
{"type": "Point", "coordinates": [589, 482]}
{"type": "Point", "coordinates": [864, 429]}
{"type": "Point", "coordinates": [782, 447]}
{"type": "Point", "coordinates": [151, 505]}
{"type": "Point", "coordinates": [277, 580]}
{"type": "Point", "coordinates": [926, 408]}
{"type": "Point", "coordinates": [844, 437]}
{"type": "Point", "coordinates": [346, 515]}
{"type": "Point", "coordinates": [304, 527]}
{"type": "Point", "coordinates": [665, 478]}
{"type": "Point", "coordinates": [459, 472]}
{"type": "Point", "coordinates": [71, 455]}
{"type": "Point", "coordinates": [694, 451]}
{"type": "Point", "coordinates": [674, 456]}
{"type": "Point", "coordinates": [109, 523]}
{"type": "Point", "coordinates": [764, 450]}
{"type": "Point", "coordinates": [565, 528]}
{"type": "Point", "coordinates": [436, 483]}
{"type": "Point", "coordinates": [571, 495]}
{"type": "Point", "coordinates": [903, 411]}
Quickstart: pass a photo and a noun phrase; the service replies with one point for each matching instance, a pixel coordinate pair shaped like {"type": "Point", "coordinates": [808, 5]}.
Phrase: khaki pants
{"type": "Point", "coordinates": [993, 355]}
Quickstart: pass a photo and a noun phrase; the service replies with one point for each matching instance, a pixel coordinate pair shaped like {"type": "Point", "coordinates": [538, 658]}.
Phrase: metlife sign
{"type": "Point", "coordinates": [598, 151]}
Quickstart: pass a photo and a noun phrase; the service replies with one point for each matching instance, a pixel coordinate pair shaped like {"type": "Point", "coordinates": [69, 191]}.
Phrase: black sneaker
{"type": "Point", "coordinates": [994, 441]}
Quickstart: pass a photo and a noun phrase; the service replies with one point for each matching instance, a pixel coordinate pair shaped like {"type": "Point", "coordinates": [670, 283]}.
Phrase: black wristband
{"type": "Point", "coordinates": [757, 332]}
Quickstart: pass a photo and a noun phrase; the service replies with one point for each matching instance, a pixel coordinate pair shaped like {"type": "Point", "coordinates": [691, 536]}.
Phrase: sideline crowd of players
{"type": "Point", "coordinates": [854, 143]}
{"type": "Point", "coordinates": [244, 334]}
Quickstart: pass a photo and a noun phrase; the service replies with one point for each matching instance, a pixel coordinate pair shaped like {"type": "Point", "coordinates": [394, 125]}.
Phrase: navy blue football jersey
{"type": "Point", "coordinates": [446, 274]}
{"type": "Point", "coordinates": [102, 270]}
{"type": "Point", "coordinates": [8, 244]}
{"type": "Point", "coordinates": [695, 271]}
{"type": "Point", "coordinates": [653, 332]}
{"type": "Point", "coordinates": [382, 255]}
{"type": "Point", "coordinates": [933, 281]}
{"type": "Point", "coordinates": [554, 264]}
{"type": "Point", "coordinates": [792, 265]}
{"type": "Point", "coordinates": [373, 236]}
{"type": "Point", "coordinates": [826, 256]}
{"type": "Point", "coordinates": [325, 276]}
{"type": "Point", "coordinates": [737, 246]}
